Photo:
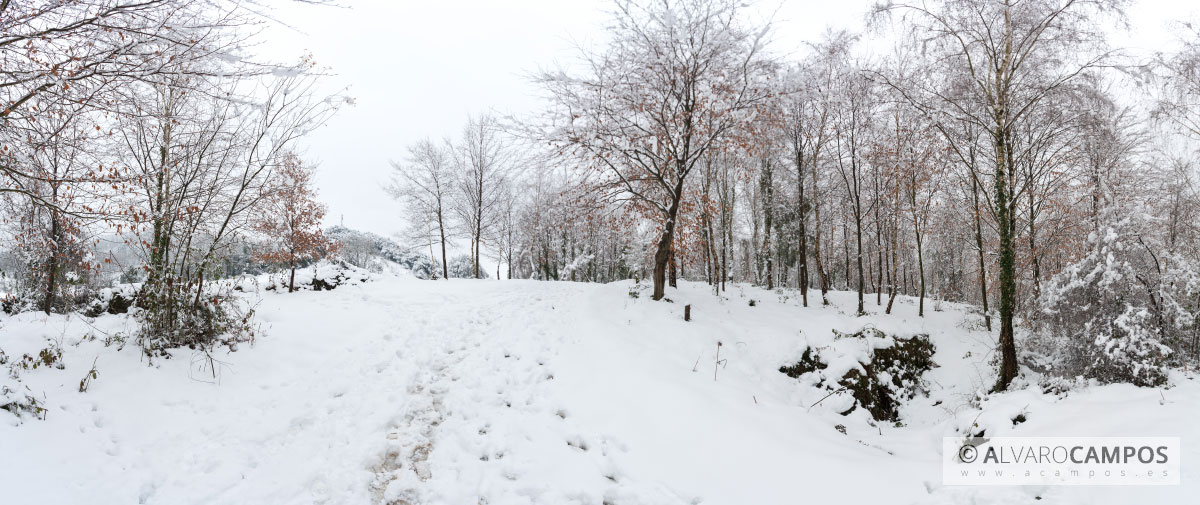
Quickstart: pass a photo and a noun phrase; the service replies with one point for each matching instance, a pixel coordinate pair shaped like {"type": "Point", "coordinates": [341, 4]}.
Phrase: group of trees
{"type": "Point", "coordinates": [1001, 154]}
{"type": "Point", "coordinates": [460, 187]}
{"type": "Point", "coordinates": [146, 126]}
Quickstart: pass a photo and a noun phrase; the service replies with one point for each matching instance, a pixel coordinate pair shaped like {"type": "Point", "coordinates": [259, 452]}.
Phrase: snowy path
{"type": "Point", "coordinates": [367, 392]}
{"type": "Point", "coordinates": [406, 392]}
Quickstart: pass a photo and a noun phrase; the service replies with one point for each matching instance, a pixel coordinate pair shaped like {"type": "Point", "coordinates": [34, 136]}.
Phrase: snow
{"type": "Point", "coordinates": [398, 390]}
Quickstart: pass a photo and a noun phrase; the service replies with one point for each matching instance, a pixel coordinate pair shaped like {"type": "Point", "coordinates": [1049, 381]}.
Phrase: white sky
{"type": "Point", "coordinates": [417, 68]}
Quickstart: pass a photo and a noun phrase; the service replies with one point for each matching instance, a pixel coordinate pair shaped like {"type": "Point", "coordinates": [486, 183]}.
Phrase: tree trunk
{"type": "Point", "coordinates": [1008, 288]}
{"type": "Point", "coordinates": [661, 257]}
{"type": "Point", "coordinates": [674, 270]}
{"type": "Point", "coordinates": [878, 247]}
{"type": "Point", "coordinates": [442, 232]}
{"type": "Point", "coordinates": [475, 269]}
{"type": "Point", "coordinates": [920, 268]}
{"type": "Point", "coordinates": [822, 275]}
{"type": "Point", "coordinates": [983, 291]}
{"type": "Point", "coordinates": [1033, 250]}
{"type": "Point", "coordinates": [432, 259]}
{"type": "Point", "coordinates": [895, 259]}
{"type": "Point", "coordinates": [858, 239]}
{"type": "Point", "coordinates": [52, 262]}
{"type": "Point", "coordinates": [916, 220]}
{"type": "Point", "coordinates": [768, 204]}
{"type": "Point", "coordinates": [845, 253]}
{"type": "Point", "coordinates": [802, 216]}
{"type": "Point", "coordinates": [663, 254]}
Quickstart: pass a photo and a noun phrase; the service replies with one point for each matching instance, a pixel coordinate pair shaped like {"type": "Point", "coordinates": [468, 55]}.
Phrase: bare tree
{"type": "Point", "coordinates": [677, 81]}
{"type": "Point", "coordinates": [481, 160]}
{"type": "Point", "coordinates": [56, 56]}
{"type": "Point", "coordinates": [854, 108]}
{"type": "Point", "coordinates": [204, 161]}
{"type": "Point", "coordinates": [1008, 55]}
{"type": "Point", "coordinates": [426, 183]}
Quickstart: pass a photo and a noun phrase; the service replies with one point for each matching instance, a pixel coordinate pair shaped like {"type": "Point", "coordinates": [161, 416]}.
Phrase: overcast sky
{"type": "Point", "coordinates": [417, 68]}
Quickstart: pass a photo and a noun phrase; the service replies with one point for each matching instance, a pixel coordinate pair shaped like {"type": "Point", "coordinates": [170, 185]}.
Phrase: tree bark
{"type": "Point", "coordinates": [52, 262]}
{"type": "Point", "coordinates": [983, 290]}
{"type": "Point", "coordinates": [768, 204]}
{"type": "Point", "coordinates": [821, 273]}
{"type": "Point", "coordinates": [802, 216]}
{"type": "Point", "coordinates": [1008, 288]}
{"type": "Point", "coordinates": [916, 220]}
{"type": "Point", "coordinates": [892, 280]}
{"type": "Point", "coordinates": [663, 254]}
{"type": "Point", "coordinates": [878, 245]}
{"type": "Point", "coordinates": [442, 232]}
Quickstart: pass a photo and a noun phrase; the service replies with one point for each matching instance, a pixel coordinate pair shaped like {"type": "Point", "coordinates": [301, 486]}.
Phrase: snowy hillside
{"type": "Point", "coordinates": [405, 391]}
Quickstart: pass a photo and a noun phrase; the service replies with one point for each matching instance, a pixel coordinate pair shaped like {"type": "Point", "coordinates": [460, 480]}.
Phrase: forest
{"type": "Point", "coordinates": [700, 263]}
{"type": "Point", "coordinates": [1001, 154]}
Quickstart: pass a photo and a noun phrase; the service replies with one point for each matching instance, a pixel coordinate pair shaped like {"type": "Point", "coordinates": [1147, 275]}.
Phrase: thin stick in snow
{"type": "Point", "coordinates": [717, 364]}
{"type": "Point", "coordinates": [839, 390]}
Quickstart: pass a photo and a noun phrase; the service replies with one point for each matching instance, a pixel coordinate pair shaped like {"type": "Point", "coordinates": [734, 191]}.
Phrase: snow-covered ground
{"type": "Point", "coordinates": [457, 392]}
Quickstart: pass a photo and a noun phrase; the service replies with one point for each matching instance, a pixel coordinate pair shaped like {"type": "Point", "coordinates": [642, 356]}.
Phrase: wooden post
{"type": "Point", "coordinates": [687, 312]}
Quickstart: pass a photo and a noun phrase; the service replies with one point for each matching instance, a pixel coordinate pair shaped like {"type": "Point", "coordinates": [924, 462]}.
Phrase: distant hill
{"type": "Point", "coordinates": [367, 250]}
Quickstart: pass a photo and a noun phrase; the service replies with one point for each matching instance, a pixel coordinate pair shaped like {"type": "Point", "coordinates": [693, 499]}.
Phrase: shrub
{"type": "Point", "coordinates": [1121, 314]}
{"type": "Point", "coordinates": [890, 374]}
{"type": "Point", "coordinates": [176, 314]}
{"type": "Point", "coordinates": [462, 268]}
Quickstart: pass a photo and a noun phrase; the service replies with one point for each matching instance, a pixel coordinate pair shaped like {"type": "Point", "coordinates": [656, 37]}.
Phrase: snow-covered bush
{"type": "Point", "coordinates": [71, 292]}
{"type": "Point", "coordinates": [18, 400]}
{"type": "Point", "coordinates": [171, 314]}
{"type": "Point", "coordinates": [115, 300]}
{"type": "Point", "coordinates": [461, 267]}
{"type": "Point", "coordinates": [1122, 313]}
{"type": "Point", "coordinates": [878, 370]}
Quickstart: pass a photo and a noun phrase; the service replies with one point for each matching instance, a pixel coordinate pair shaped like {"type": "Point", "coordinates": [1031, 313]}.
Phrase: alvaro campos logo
{"type": "Point", "coordinates": [1114, 461]}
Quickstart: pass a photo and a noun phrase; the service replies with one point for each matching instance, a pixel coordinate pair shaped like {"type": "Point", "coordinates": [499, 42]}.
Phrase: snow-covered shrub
{"type": "Point", "coordinates": [888, 373]}
{"type": "Point", "coordinates": [808, 363]}
{"type": "Point", "coordinates": [636, 289]}
{"type": "Point", "coordinates": [323, 275]}
{"type": "Point", "coordinates": [461, 267]}
{"type": "Point", "coordinates": [175, 314]}
{"type": "Point", "coordinates": [15, 397]}
{"type": "Point", "coordinates": [332, 276]}
{"type": "Point", "coordinates": [70, 294]}
{"type": "Point", "coordinates": [579, 264]}
{"type": "Point", "coordinates": [1122, 313]}
{"type": "Point", "coordinates": [18, 400]}
{"type": "Point", "coordinates": [115, 300]}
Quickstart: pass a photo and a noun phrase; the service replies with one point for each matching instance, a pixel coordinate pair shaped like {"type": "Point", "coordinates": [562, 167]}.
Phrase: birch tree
{"type": "Point", "coordinates": [1008, 55]}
